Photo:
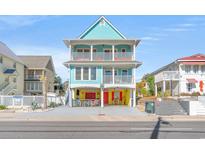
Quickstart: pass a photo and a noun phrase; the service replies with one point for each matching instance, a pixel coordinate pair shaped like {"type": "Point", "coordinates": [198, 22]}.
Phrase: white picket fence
{"type": "Point", "coordinates": [26, 101]}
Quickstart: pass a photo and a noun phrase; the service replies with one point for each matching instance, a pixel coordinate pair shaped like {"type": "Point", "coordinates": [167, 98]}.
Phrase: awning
{"type": "Point", "coordinates": [9, 71]}
{"type": "Point", "coordinates": [192, 80]}
{"type": "Point", "coordinates": [193, 63]}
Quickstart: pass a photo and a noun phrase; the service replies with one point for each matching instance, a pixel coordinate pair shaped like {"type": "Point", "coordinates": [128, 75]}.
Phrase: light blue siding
{"type": "Point", "coordinates": [97, 81]}
{"type": "Point", "coordinates": [102, 31]}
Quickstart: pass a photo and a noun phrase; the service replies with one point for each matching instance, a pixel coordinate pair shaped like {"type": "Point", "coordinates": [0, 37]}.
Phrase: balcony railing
{"type": "Point", "coordinates": [123, 79]}
{"type": "Point", "coordinates": [102, 56]}
{"type": "Point", "coordinates": [123, 56]}
{"type": "Point", "coordinates": [81, 56]}
{"type": "Point", "coordinates": [33, 77]}
{"type": "Point", "coordinates": [167, 75]}
{"type": "Point", "coordinates": [108, 79]}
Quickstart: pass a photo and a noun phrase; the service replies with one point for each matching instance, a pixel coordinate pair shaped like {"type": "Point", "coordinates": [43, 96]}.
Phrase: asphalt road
{"type": "Point", "coordinates": [102, 130]}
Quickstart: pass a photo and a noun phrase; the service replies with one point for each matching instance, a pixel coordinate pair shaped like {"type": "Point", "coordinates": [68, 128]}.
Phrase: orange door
{"type": "Point", "coordinates": [106, 98]}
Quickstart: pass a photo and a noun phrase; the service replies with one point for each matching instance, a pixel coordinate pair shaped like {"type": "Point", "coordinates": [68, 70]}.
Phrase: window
{"type": "Point", "coordinates": [196, 68]}
{"type": "Point", "coordinates": [93, 73]}
{"type": "Point", "coordinates": [203, 68]}
{"type": "Point", "coordinates": [78, 73]}
{"type": "Point", "coordinates": [107, 50]}
{"type": "Point", "coordinates": [79, 50]}
{"type": "Point", "coordinates": [123, 50]}
{"type": "Point", "coordinates": [86, 50]}
{"type": "Point", "coordinates": [187, 69]}
{"type": "Point", "coordinates": [85, 73]}
{"type": "Point", "coordinates": [190, 86]}
{"type": "Point", "coordinates": [1, 59]}
{"type": "Point", "coordinates": [124, 72]}
{"type": "Point", "coordinates": [108, 72]}
{"type": "Point", "coordinates": [94, 50]}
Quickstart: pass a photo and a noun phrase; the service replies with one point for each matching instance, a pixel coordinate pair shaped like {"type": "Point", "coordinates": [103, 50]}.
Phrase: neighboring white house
{"type": "Point", "coordinates": [11, 72]}
{"type": "Point", "coordinates": [183, 76]}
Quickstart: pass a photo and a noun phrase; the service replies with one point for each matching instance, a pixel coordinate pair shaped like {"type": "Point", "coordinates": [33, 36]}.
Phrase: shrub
{"type": "Point", "coordinates": [196, 94]}
{"type": "Point", "coordinates": [2, 107]}
{"type": "Point", "coordinates": [34, 105]}
{"type": "Point", "coordinates": [53, 104]}
{"type": "Point", "coordinates": [167, 93]}
{"type": "Point", "coordinates": [144, 92]}
{"type": "Point", "coordinates": [159, 94]}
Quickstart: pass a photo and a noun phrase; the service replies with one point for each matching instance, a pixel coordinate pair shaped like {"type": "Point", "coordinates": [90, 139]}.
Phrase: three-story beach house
{"type": "Point", "coordinates": [102, 67]}
{"type": "Point", "coordinates": [184, 76]}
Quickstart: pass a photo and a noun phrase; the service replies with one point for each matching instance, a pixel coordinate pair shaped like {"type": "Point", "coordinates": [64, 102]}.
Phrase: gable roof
{"type": "Point", "coordinates": [5, 51]}
{"type": "Point", "coordinates": [93, 31]}
{"type": "Point", "coordinates": [196, 57]}
{"type": "Point", "coordinates": [36, 62]}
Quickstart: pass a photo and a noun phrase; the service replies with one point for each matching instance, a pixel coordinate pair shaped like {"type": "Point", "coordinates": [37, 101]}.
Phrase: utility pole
{"type": "Point", "coordinates": [45, 85]}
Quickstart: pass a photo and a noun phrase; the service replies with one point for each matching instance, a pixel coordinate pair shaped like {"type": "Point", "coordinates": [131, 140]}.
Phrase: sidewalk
{"type": "Point", "coordinates": [20, 117]}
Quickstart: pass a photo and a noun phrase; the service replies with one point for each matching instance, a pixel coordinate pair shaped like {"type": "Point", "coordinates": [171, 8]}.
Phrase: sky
{"type": "Point", "coordinates": [163, 38]}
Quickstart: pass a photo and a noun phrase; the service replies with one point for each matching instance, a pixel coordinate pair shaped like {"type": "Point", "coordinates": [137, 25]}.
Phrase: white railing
{"type": "Point", "coordinates": [100, 56]}
{"type": "Point", "coordinates": [167, 75]}
{"type": "Point", "coordinates": [10, 87]}
{"type": "Point", "coordinates": [3, 85]}
{"type": "Point", "coordinates": [108, 79]}
{"type": "Point", "coordinates": [81, 56]}
{"type": "Point", "coordinates": [123, 79]}
{"type": "Point", "coordinates": [26, 101]}
{"type": "Point", "coordinates": [123, 56]}
{"type": "Point", "coordinates": [32, 76]}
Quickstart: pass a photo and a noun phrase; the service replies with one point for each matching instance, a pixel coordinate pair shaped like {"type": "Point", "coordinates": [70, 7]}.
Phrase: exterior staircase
{"type": "Point", "coordinates": [169, 107]}
{"type": "Point", "coordinates": [7, 88]}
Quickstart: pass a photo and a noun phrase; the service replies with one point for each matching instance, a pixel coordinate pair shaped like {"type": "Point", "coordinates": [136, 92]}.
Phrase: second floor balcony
{"type": "Point", "coordinates": [167, 75]}
{"type": "Point", "coordinates": [118, 79]}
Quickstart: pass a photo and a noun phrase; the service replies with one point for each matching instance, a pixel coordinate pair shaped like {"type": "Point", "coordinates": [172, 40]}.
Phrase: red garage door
{"type": "Point", "coordinates": [90, 95]}
{"type": "Point", "coordinates": [105, 98]}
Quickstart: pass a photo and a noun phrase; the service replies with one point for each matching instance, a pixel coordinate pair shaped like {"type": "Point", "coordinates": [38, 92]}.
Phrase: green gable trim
{"type": "Point", "coordinates": [102, 29]}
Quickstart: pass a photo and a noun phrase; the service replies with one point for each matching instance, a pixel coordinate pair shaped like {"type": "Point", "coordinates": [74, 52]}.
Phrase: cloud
{"type": "Point", "coordinates": [176, 29]}
{"type": "Point", "coordinates": [19, 21]}
{"type": "Point", "coordinates": [149, 38]}
{"type": "Point", "coordinates": [59, 55]}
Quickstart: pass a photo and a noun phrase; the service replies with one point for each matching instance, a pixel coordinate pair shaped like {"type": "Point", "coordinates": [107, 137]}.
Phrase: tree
{"type": "Point", "coordinates": [150, 82]}
{"type": "Point", "coordinates": [58, 85]}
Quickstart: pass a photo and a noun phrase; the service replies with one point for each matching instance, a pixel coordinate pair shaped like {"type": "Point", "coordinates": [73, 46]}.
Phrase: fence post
{"type": "Point", "coordinates": [13, 101]}
{"type": "Point", "coordinates": [22, 99]}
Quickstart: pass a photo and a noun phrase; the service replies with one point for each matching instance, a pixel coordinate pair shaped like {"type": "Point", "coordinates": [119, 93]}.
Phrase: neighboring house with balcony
{"type": "Point", "coordinates": [11, 72]}
{"type": "Point", "coordinates": [102, 67]}
{"type": "Point", "coordinates": [183, 76]}
{"type": "Point", "coordinates": [37, 69]}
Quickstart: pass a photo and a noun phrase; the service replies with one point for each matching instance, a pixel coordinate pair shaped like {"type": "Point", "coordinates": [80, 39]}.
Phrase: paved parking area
{"type": "Point", "coordinates": [89, 111]}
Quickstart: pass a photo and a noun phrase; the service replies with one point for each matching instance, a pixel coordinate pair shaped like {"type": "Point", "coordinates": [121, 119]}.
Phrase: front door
{"type": "Point", "coordinates": [106, 98]}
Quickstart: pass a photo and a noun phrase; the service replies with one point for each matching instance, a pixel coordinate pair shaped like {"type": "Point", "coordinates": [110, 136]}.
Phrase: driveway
{"type": "Point", "coordinates": [64, 111]}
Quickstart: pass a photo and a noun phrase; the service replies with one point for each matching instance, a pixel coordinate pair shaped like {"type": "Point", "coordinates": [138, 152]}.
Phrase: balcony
{"type": "Point", "coordinates": [123, 56]}
{"type": "Point", "coordinates": [81, 56]}
{"type": "Point", "coordinates": [102, 56]}
{"type": "Point", "coordinates": [167, 75]}
{"type": "Point", "coordinates": [119, 79]}
{"type": "Point", "coordinates": [33, 77]}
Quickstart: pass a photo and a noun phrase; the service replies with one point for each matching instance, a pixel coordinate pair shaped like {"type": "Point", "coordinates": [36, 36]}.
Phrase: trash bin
{"type": "Point", "coordinates": [150, 107]}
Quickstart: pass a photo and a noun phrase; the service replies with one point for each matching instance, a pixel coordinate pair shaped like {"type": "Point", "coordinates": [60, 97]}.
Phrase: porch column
{"type": "Point", "coordinates": [113, 75]}
{"type": "Point", "coordinates": [91, 52]}
{"type": "Point", "coordinates": [155, 86]}
{"type": "Point", "coordinates": [70, 54]}
{"type": "Point", "coordinates": [133, 52]}
{"type": "Point", "coordinates": [70, 97]}
{"type": "Point", "coordinates": [113, 52]}
{"type": "Point", "coordinates": [134, 98]}
{"type": "Point", "coordinates": [102, 98]}
{"type": "Point", "coordinates": [164, 87]}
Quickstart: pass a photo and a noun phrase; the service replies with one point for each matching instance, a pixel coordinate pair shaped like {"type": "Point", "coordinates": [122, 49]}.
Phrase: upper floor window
{"type": "Point", "coordinates": [187, 68]}
{"type": "Point", "coordinates": [196, 68]}
{"type": "Point", "coordinates": [1, 59]}
{"type": "Point", "coordinates": [124, 72]}
{"type": "Point", "coordinates": [203, 68]}
{"type": "Point", "coordinates": [93, 73]}
{"type": "Point", "coordinates": [78, 73]}
{"type": "Point", "coordinates": [85, 73]}
{"type": "Point", "coordinates": [123, 50]}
